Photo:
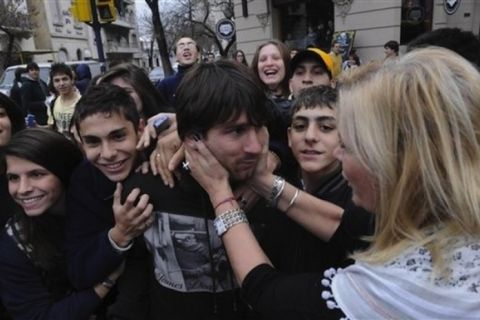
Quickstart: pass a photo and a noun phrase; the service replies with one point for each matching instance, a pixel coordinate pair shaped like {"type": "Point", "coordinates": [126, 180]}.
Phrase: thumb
{"type": "Point", "coordinates": [177, 158]}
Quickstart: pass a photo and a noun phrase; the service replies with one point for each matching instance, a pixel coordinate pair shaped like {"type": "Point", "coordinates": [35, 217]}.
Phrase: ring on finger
{"type": "Point", "coordinates": [186, 166]}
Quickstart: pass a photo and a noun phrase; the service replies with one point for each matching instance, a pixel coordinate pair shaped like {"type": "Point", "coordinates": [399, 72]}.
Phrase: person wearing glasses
{"type": "Point", "coordinates": [187, 52]}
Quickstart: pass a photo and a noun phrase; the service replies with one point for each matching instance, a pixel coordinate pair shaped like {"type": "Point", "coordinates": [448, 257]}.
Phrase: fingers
{"type": "Point", "coordinates": [162, 168]}
{"type": "Point", "coordinates": [177, 158]}
{"type": "Point", "coordinates": [145, 219]}
{"type": "Point", "coordinates": [131, 198]}
{"type": "Point", "coordinates": [148, 134]}
{"type": "Point", "coordinates": [117, 194]}
{"type": "Point", "coordinates": [135, 214]}
{"type": "Point", "coordinates": [153, 162]}
{"type": "Point", "coordinates": [143, 168]}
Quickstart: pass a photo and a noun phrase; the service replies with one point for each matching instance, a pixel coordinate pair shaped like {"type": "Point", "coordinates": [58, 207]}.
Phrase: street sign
{"type": "Point", "coordinates": [225, 29]}
{"type": "Point", "coordinates": [450, 6]}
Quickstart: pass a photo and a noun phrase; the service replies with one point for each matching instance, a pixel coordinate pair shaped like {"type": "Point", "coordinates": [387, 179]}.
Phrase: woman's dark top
{"type": "Point", "coordinates": [27, 294]}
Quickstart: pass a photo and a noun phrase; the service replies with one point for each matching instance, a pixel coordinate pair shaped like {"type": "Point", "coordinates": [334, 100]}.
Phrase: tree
{"type": "Point", "coordinates": [195, 18]}
{"type": "Point", "coordinates": [15, 23]}
{"type": "Point", "coordinates": [159, 33]}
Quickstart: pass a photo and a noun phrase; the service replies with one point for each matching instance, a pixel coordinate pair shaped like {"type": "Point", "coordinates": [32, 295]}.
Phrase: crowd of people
{"type": "Point", "coordinates": [293, 188]}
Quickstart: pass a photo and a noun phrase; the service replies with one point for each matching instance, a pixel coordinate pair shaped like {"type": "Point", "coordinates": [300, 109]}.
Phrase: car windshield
{"type": "Point", "coordinates": [7, 78]}
{"type": "Point", "coordinates": [156, 72]}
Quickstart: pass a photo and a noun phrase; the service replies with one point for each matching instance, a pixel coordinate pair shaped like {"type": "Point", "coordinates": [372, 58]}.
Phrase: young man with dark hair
{"type": "Point", "coordinates": [63, 106]}
{"type": "Point", "coordinates": [313, 137]}
{"type": "Point", "coordinates": [221, 104]}
{"type": "Point", "coordinates": [34, 92]}
{"type": "Point", "coordinates": [101, 229]}
{"type": "Point", "coordinates": [465, 43]}
{"type": "Point", "coordinates": [391, 49]}
{"type": "Point", "coordinates": [187, 53]}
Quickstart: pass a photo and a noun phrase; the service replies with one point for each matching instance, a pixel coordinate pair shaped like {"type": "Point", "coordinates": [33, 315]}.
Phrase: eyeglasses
{"type": "Point", "coordinates": [182, 45]}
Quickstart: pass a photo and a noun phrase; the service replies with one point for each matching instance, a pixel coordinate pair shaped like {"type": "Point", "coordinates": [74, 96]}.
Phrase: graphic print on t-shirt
{"type": "Point", "coordinates": [187, 258]}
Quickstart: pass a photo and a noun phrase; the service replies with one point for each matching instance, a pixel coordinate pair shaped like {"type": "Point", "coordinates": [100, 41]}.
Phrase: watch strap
{"type": "Point", "coordinates": [228, 219]}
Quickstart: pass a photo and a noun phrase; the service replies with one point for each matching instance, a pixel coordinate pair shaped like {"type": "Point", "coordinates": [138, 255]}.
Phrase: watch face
{"type": "Point", "coordinates": [220, 227]}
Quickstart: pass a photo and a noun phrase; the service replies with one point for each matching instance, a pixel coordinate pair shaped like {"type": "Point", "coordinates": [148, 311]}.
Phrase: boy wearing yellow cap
{"type": "Point", "coordinates": [310, 67]}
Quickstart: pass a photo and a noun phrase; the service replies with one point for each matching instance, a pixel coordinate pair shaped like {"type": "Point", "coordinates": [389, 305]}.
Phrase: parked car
{"type": "Point", "coordinates": [156, 74]}
{"type": "Point", "coordinates": [8, 76]}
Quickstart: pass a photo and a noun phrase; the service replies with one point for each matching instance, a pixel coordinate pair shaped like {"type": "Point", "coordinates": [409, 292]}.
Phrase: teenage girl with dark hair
{"type": "Point", "coordinates": [33, 277]}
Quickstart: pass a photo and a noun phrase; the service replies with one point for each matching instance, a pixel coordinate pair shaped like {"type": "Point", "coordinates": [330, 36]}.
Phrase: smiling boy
{"type": "Point", "coordinates": [63, 106]}
{"type": "Point", "coordinates": [100, 228]}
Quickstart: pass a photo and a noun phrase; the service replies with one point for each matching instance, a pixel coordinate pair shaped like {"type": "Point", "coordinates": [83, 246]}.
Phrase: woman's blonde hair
{"type": "Point", "coordinates": [414, 124]}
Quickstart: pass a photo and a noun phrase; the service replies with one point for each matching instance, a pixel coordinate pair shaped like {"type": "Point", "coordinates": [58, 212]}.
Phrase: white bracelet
{"type": "Point", "coordinates": [294, 198]}
{"type": "Point", "coordinates": [116, 247]}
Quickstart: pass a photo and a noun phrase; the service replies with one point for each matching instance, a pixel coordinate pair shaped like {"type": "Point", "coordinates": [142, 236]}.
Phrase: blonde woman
{"type": "Point", "coordinates": [411, 153]}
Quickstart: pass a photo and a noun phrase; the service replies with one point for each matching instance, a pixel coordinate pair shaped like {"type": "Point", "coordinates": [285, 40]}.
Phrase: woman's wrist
{"type": "Point", "coordinates": [262, 184]}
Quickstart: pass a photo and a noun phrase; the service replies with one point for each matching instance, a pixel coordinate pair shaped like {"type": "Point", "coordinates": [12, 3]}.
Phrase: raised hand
{"type": "Point", "coordinates": [132, 217]}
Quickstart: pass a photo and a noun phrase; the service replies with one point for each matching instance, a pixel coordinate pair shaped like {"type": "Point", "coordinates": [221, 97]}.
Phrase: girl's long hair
{"type": "Point", "coordinates": [42, 236]}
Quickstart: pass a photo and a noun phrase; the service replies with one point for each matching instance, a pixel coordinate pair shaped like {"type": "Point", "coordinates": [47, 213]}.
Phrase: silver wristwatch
{"type": "Point", "coordinates": [228, 219]}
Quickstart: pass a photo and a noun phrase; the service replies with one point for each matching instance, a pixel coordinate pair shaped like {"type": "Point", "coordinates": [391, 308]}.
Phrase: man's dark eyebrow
{"type": "Point", "coordinates": [111, 133]}
{"type": "Point", "coordinates": [320, 118]}
{"type": "Point", "coordinates": [117, 131]}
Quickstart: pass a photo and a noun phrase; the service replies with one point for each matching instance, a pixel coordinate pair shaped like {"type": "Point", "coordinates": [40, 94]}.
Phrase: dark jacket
{"type": "Point", "coordinates": [83, 76]}
{"type": "Point", "coordinates": [15, 94]}
{"type": "Point", "coordinates": [7, 204]}
{"type": "Point", "coordinates": [91, 257]}
{"type": "Point", "coordinates": [302, 251]}
{"type": "Point", "coordinates": [279, 296]}
{"type": "Point", "coordinates": [168, 85]}
{"type": "Point", "coordinates": [25, 295]}
{"type": "Point", "coordinates": [34, 93]}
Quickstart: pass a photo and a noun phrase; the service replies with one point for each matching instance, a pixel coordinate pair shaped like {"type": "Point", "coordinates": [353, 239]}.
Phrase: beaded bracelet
{"type": "Point", "coordinates": [228, 219]}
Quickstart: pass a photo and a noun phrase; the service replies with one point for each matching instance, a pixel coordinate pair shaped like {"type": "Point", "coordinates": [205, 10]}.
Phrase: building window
{"type": "Point", "coordinates": [62, 55]}
{"type": "Point", "coordinates": [306, 23]}
{"type": "Point", "coordinates": [416, 19]}
{"type": "Point", "coordinates": [57, 13]}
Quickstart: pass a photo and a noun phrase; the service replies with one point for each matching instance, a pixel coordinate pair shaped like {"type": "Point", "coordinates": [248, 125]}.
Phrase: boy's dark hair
{"type": "Point", "coordinates": [217, 92]}
{"type": "Point", "coordinates": [313, 97]}
{"type": "Point", "coordinates": [106, 98]}
{"type": "Point", "coordinates": [392, 44]}
{"type": "Point", "coordinates": [465, 43]}
{"type": "Point", "coordinates": [60, 68]}
{"type": "Point", "coordinates": [14, 113]}
{"type": "Point", "coordinates": [32, 66]}
{"type": "Point", "coordinates": [152, 101]}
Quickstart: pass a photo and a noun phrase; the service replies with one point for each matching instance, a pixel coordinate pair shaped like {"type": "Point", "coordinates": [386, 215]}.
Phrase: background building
{"type": "Point", "coordinates": [58, 37]}
{"type": "Point", "coordinates": [299, 22]}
